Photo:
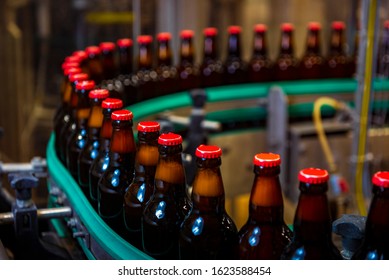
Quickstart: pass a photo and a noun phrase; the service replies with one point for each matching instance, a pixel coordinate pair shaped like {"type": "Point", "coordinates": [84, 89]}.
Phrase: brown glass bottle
{"type": "Point", "coordinates": [83, 59]}
{"type": "Point", "coordinates": [211, 69]}
{"type": "Point", "coordinates": [312, 222]}
{"type": "Point", "coordinates": [94, 65]}
{"type": "Point", "coordinates": [235, 69]}
{"type": "Point", "coordinates": [169, 204]}
{"type": "Point", "coordinates": [383, 53]}
{"type": "Point", "coordinates": [265, 235]}
{"type": "Point", "coordinates": [125, 55]}
{"type": "Point", "coordinates": [286, 65]}
{"type": "Point", "coordinates": [337, 62]}
{"type": "Point", "coordinates": [120, 171]}
{"type": "Point", "coordinates": [78, 137]}
{"type": "Point", "coordinates": [312, 63]}
{"type": "Point", "coordinates": [101, 162]}
{"type": "Point", "coordinates": [260, 68]}
{"type": "Point", "coordinates": [208, 232]}
{"type": "Point", "coordinates": [375, 244]}
{"type": "Point", "coordinates": [167, 73]}
{"type": "Point", "coordinates": [108, 60]}
{"type": "Point", "coordinates": [91, 148]}
{"type": "Point", "coordinates": [140, 190]}
{"type": "Point", "coordinates": [188, 72]}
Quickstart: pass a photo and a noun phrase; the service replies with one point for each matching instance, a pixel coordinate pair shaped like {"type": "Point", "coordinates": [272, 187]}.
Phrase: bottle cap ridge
{"type": "Point", "coordinates": [287, 27]}
{"type": "Point", "coordinates": [313, 176]}
{"type": "Point", "coordinates": [144, 39]}
{"type": "Point", "coordinates": [122, 115]}
{"type": "Point", "coordinates": [124, 43]}
{"type": "Point", "coordinates": [70, 65]}
{"type": "Point", "coordinates": [338, 25]}
{"type": "Point", "coordinates": [107, 46]}
{"type": "Point", "coordinates": [81, 54]}
{"type": "Point", "coordinates": [186, 34]}
{"type": "Point", "coordinates": [267, 160]}
{"type": "Point", "coordinates": [72, 70]}
{"type": "Point", "coordinates": [92, 50]}
{"type": "Point", "coordinates": [99, 93]}
{"type": "Point", "coordinates": [210, 31]}
{"type": "Point", "coordinates": [234, 29]}
{"type": "Point", "coordinates": [73, 58]}
{"type": "Point", "coordinates": [164, 36]}
{"type": "Point", "coordinates": [381, 179]}
{"type": "Point", "coordinates": [260, 28]}
{"type": "Point", "coordinates": [78, 77]}
{"type": "Point", "coordinates": [112, 103]}
{"type": "Point", "coordinates": [86, 85]}
{"type": "Point", "coordinates": [170, 139]}
{"type": "Point", "coordinates": [314, 26]}
{"type": "Point", "coordinates": [148, 126]}
{"type": "Point", "coordinates": [208, 151]}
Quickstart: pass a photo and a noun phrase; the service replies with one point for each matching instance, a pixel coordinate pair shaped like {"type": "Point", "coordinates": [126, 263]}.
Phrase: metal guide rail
{"type": "Point", "coordinates": [96, 238]}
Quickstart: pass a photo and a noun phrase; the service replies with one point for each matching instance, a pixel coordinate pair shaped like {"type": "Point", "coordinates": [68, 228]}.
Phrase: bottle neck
{"type": "Point", "coordinates": [96, 115]}
{"type": "Point", "coordinates": [164, 54]}
{"type": "Point", "coordinates": [260, 46]}
{"type": "Point", "coordinates": [312, 221]}
{"type": "Point", "coordinates": [147, 155]}
{"type": "Point", "coordinates": [337, 42]}
{"type": "Point", "coordinates": [108, 63]}
{"type": "Point", "coordinates": [145, 58]}
{"type": "Point", "coordinates": [122, 141]}
{"type": "Point", "coordinates": [210, 48]}
{"type": "Point", "coordinates": [83, 108]}
{"type": "Point", "coordinates": [313, 43]}
{"type": "Point", "coordinates": [234, 46]}
{"type": "Point", "coordinates": [286, 43]}
{"type": "Point", "coordinates": [186, 52]}
{"type": "Point", "coordinates": [125, 60]}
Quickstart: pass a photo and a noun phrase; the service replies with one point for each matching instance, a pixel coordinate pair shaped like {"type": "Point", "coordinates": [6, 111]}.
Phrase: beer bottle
{"type": "Point", "coordinates": [312, 221]}
{"type": "Point", "coordinates": [260, 68]}
{"type": "Point", "coordinates": [65, 82]}
{"type": "Point", "coordinates": [100, 163]}
{"type": "Point", "coordinates": [142, 187]}
{"type": "Point", "coordinates": [375, 245]}
{"type": "Point", "coordinates": [78, 137]}
{"type": "Point", "coordinates": [167, 73]}
{"type": "Point", "coordinates": [108, 61]}
{"type": "Point", "coordinates": [83, 59]}
{"type": "Point", "coordinates": [94, 65]}
{"type": "Point", "coordinates": [188, 72]}
{"type": "Point", "coordinates": [312, 63]}
{"type": "Point", "coordinates": [383, 52]}
{"type": "Point", "coordinates": [337, 61]}
{"type": "Point", "coordinates": [235, 68]}
{"type": "Point", "coordinates": [169, 204]}
{"type": "Point", "coordinates": [208, 232]}
{"type": "Point", "coordinates": [125, 55]}
{"type": "Point", "coordinates": [211, 69]}
{"type": "Point", "coordinates": [120, 170]}
{"type": "Point", "coordinates": [286, 65]}
{"type": "Point", "coordinates": [91, 148]}
{"type": "Point", "coordinates": [265, 234]}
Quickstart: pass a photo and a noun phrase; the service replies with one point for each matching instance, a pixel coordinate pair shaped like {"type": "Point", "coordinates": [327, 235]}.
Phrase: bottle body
{"type": "Point", "coordinates": [167, 73]}
{"type": "Point", "coordinates": [337, 62]}
{"type": "Point", "coordinates": [235, 69]}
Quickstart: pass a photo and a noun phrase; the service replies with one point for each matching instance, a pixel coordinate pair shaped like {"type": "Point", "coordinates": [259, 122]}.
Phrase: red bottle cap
{"type": "Point", "coordinates": [210, 31]}
{"type": "Point", "coordinates": [260, 28]}
{"type": "Point", "coordinates": [164, 36]}
{"type": "Point", "coordinates": [186, 34]}
{"type": "Point", "coordinates": [313, 176]}
{"type": "Point", "coordinates": [169, 139]}
{"type": "Point", "coordinates": [234, 29]}
{"type": "Point", "coordinates": [78, 77]}
{"type": "Point", "coordinates": [107, 46]}
{"type": "Point", "coordinates": [81, 54]}
{"type": "Point", "coordinates": [208, 151]}
{"type": "Point", "coordinates": [314, 26]}
{"type": "Point", "coordinates": [70, 65]}
{"type": "Point", "coordinates": [112, 103]}
{"type": "Point", "coordinates": [386, 24]}
{"type": "Point", "coordinates": [381, 179]}
{"type": "Point", "coordinates": [122, 115]}
{"type": "Point", "coordinates": [86, 85]}
{"type": "Point", "coordinates": [287, 27]}
{"type": "Point", "coordinates": [72, 58]}
{"type": "Point", "coordinates": [71, 70]}
{"type": "Point", "coordinates": [267, 160]}
{"type": "Point", "coordinates": [144, 39]}
{"type": "Point", "coordinates": [148, 126]}
{"type": "Point", "coordinates": [124, 43]}
{"type": "Point", "coordinates": [92, 50]}
{"type": "Point", "coordinates": [98, 93]}
{"type": "Point", "coordinates": [338, 25]}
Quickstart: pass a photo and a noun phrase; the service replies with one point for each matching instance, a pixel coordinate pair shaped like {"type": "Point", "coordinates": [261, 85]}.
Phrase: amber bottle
{"type": "Point", "coordinates": [108, 60]}
{"type": "Point", "coordinates": [211, 69]}
{"type": "Point", "coordinates": [235, 69]}
{"type": "Point", "coordinates": [120, 171]}
{"type": "Point", "coordinates": [265, 235]}
{"type": "Point", "coordinates": [101, 162]}
{"type": "Point", "coordinates": [286, 65]}
{"type": "Point", "coordinates": [167, 73]}
{"type": "Point", "coordinates": [188, 72]}
{"type": "Point", "coordinates": [260, 68]}
{"type": "Point", "coordinates": [78, 137]}
{"type": "Point", "coordinates": [312, 63]}
{"type": "Point", "coordinates": [65, 84]}
{"type": "Point", "coordinates": [125, 55]}
{"type": "Point", "coordinates": [91, 148]}
{"type": "Point", "coordinates": [142, 187]}
{"type": "Point", "coordinates": [312, 222]}
{"type": "Point", "coordinates": [375, 245]}
{"type": "Point", "coordinates": [94, 65]}
{"type": "Point", "coordinates": [169, 204]}
{"type": "Point", "coordinates": [208, 232]}
{"type": "Point", "coordinates": [337, 62]}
